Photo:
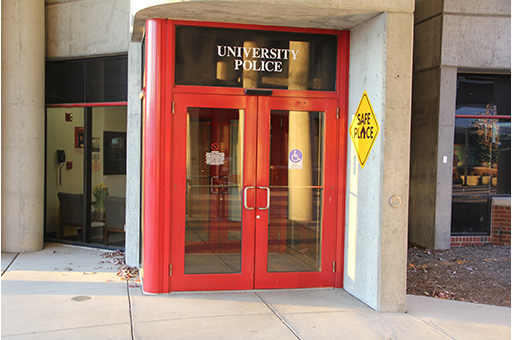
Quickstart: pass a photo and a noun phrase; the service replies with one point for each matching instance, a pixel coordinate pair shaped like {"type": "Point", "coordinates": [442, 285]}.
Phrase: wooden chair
{"type": "Point", "coordinates": [115, 215]}
{"type": "Point", "coordinates": [71, 210]}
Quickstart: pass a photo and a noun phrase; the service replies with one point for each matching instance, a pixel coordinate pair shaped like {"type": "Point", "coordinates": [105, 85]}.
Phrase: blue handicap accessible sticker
{"type": "Point", "coordinates": [295, 156]}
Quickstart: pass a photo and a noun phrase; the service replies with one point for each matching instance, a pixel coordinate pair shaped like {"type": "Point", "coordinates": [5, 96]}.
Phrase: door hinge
{"type": "Point", "coordinates": [337, 113]}
{"type": "Point", "coordinates": [170, 270]}
{"type": "Point", "coordinates": [172, 107]}
{"type": "Point", "coordinates": [334, 266]}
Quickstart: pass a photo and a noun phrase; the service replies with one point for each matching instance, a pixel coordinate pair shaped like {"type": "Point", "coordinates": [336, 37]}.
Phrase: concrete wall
{"type": "Point", "coordinates": [376, 232]}
{"type": "Point", "coordinates": [476, 34]}
{"type": "Point", "coordinates": [330, 14]}
{"type": "Point", "coordinates": [22, 125]}
{"type": "Point", "coordinates": [450, 36]}
{"type": "Point", "coordinates": [364, 187]}
{"type": "Point", "coordinates": [86, 28]}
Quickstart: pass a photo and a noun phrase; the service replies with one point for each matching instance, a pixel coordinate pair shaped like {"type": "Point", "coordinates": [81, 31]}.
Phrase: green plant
{"type": "Point", "coordinates": [100, 191]}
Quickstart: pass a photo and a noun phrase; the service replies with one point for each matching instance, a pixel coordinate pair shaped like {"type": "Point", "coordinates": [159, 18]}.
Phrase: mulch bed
{"type": "Point", "coordinates": [475, 274]}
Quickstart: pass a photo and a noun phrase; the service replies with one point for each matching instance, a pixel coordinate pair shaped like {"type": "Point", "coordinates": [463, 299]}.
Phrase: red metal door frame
{"type": "Point", "coordinates": [180, 281]}
{"type": "Point", "coordinates": [255, 175]}
{"type": "Point", "coordinates": [159, 144]}
{"type": "Point", "coordinates": [324, 277]}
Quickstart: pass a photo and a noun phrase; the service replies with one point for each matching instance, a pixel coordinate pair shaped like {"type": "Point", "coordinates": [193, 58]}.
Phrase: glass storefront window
{"type": "Point", "coordinates": [207, 56]}
{"type": "Point", "coordinates": [481, 156]}
{"type": "Point", "coordinates": [75, 170]}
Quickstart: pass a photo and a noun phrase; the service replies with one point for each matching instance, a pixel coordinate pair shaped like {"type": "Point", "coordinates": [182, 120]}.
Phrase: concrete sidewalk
{"type": "Point", "coordinates": [64, 292]}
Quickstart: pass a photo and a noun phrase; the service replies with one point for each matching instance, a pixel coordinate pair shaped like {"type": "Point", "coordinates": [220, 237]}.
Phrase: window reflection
{"type": "Point", "coordinates": [208, 56]}
{"type": "Point", "coordinates": [296, 191]}
{"type": "Point", "coordinates": [481, 152]}
{"type": "Point", "coordinates": [213, 224]}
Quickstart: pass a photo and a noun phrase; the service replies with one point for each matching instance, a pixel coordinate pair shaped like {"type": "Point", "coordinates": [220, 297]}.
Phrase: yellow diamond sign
{"type": "Point", "coordinates": [364, 129]}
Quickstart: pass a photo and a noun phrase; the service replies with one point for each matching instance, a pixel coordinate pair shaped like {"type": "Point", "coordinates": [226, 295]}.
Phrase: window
{"type": "Point", "coordinates": [93, 80]}
{"type": "Point", "coordinates": [481, 156]}
{"type": "Point", "coordinates": [208, 56]}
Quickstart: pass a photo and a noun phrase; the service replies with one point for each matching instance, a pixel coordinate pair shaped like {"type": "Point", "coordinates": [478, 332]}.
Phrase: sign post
{"type": "Point", "coordinates": [364, 129]}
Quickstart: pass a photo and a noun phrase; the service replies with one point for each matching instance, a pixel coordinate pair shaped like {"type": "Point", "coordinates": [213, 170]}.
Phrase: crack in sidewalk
{"type": "Point", "coordinates": [279, 316]}
{"type": "Point", "coordinates": [132, 326]}
{"type": "Point", "coordinates": [15, 257]}
{"type": "Point", "coordinates": [436, 327]}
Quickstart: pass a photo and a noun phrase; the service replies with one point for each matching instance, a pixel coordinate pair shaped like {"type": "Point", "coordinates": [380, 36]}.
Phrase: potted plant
{"type": "Point", "coordinates": [100, 191]}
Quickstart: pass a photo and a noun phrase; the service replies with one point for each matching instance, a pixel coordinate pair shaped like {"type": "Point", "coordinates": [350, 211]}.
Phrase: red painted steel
{"type": "Point", "coordinates": [240, 92]}
{"type": "Point", "coordinates": [153, 256]}
{"type": "Point", "coordinates": [341, 176]}
{"type": "Point", "coordinates": [164, 168]}
{"type": "Point", "coordinates": [325, 277]}
{"type": "Point", "coordinates": [180, 281]}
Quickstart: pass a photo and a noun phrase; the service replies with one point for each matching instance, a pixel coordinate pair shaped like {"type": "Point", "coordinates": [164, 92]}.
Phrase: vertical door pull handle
{"type": "Point", "coordinates": [245, 197]}
{"type": "Point", "coordinates": [227, 181]}
{"type": "Point", "coordinates": [268, 198]}
{"type": "Point", "coordinates": [211, 186]}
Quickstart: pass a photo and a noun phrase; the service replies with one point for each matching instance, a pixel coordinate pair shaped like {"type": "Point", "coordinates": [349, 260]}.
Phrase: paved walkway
{"type": "Point", "coordinates": [64, 292]}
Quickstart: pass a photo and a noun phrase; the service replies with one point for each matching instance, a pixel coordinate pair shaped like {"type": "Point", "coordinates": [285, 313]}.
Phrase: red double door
{"type": "Point", "coordinates": [258, 208]}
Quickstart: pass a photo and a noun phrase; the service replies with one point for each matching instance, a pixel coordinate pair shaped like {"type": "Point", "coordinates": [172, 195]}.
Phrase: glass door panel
{"type": "Point", "coordinates": [213, 225]}
{"type": "Point", "coordinates": [108, 176]}
{"type": "Point", "coordinates": [64, 173]}
{"type": "Point", "coordinates": [295, 210]}
{"type": "Point", "coordinates": [296, 169]}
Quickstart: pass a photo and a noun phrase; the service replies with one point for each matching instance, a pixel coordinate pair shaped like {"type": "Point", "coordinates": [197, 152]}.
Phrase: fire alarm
{"type": "Point", "coordinates": [69, 117]}
{"type": "Point", "coordinates": [69, 165]}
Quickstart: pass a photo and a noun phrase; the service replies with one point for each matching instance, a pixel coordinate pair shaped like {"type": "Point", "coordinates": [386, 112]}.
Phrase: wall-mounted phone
{"type": "Point", "coordinates": [61, 159]}
{"type": "Point", "coordinates": [61, 156]}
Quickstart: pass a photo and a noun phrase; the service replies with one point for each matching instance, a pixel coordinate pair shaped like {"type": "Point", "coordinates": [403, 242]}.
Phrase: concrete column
{"type": "Point", "coordinates": [378, 195]}
{"type": "Point", "coordinates": [300, 200]}
{"type": "Point", "coordinates": [23, 46]}
{"type": "Point", "coordinates": [133, 164]}
{"type": "Point", "coordinates": [395, 162]}
{"type": "Point", "coordinates": [442, 141]}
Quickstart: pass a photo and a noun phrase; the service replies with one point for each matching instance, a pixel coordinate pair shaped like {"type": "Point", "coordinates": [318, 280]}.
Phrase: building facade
{"type": "Point", "coordinates": [461, 70]}
{"type": "Point", "coordinates": [245, 149]}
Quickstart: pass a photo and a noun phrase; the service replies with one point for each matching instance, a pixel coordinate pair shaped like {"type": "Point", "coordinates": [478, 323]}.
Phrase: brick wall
{"type": "Point", "coordinates": [462, 241]}
{"type": "Point", "coordinates": [500, 227]}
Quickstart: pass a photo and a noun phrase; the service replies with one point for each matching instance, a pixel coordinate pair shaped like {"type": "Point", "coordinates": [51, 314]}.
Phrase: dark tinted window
{"type": "Point", "coordinates": [255, 59]}
{"type": "Point", "coordinates": [92, 80]}
{"type": "Point", "coordinates": [65, 81]}
{"type": "Point", "coordinates": [483, 94]}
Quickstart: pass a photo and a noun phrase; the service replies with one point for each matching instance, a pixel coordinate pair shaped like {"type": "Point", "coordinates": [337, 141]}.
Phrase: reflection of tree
{"type": "Point", "coordinates": [487, 130]}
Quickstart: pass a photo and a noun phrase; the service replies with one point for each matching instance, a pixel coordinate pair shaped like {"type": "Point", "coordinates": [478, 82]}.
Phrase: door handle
{"type": "Point", "coordinates": [245, 197]}
{"type": "Point", "coordinates": [211, 186]}
{"type": "Point", "coordinates": [268, 198]}
{"type": "Point", "coordinates": [227, 181]}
